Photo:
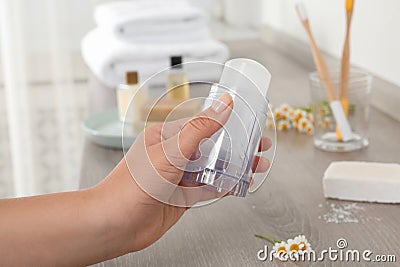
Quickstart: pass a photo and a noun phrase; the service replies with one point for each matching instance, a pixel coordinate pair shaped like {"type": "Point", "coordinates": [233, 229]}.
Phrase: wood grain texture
{"type": "Point", "coordinates": [289, 203]}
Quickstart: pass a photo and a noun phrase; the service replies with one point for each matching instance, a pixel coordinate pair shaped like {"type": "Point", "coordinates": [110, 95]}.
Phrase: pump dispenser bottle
{"type": "Point", "coordinates": [224, 161]}
{"type": "Point", "coordinates": [177, 84]}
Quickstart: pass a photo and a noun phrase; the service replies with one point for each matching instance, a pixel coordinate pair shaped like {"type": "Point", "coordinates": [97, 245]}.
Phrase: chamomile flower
{"type": "Point", "coordinates": [302, 125]}
{"type": "Point", "coordinates": [270, 125]}
{"type": "Point", "coordinates": [287, 117]}
{"type": "Point", "coordinates": [323, 110]}
{"type": "Point", "coordinates": [270, 121]}
{"type": "Point", "coordinates": [299, 114]}
{"type": "Point", "coordinates": [309, 129]}
{"type": "Point", "coordinates": [280, 250]}
{"type": "Point", "coordinates": [283, 125]}
{"type": "Point", "coordinates": [327, 122]}
{"type": "Point", "coordinates": [290, 249]}
{"type": "Point", "coordinates": [293, 249]}
{"type": "Point", "coordinates": [304, 245]}
{"type": "Point", "coordinates": [292, 114]}
{"type": "Point", "coordinates": [278, 113]}
{"type": "Point", "coordinates": [285, 107]}
{"type": "Point", "coordinates": [292, 245]}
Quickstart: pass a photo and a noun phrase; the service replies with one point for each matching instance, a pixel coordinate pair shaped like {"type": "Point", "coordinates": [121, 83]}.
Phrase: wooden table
{"type": "Point", "coordinates": [289, 203]}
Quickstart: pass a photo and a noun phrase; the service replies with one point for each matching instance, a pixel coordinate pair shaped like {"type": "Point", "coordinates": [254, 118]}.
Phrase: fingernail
{"type": "Point", "coordinates": [222, 103]}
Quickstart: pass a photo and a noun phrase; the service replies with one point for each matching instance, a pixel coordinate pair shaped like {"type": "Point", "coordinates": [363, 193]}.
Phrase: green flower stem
{"type": "Point", "coordinates": [272, 240]}
{"type": "Point", "coordinates": [306, 109]}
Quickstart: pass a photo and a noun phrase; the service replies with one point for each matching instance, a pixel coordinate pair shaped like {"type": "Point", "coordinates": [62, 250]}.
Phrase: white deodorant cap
{"type": "Point", "coordinates": [239, 72]}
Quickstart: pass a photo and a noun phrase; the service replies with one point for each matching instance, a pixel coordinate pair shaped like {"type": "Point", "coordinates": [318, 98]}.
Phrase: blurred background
{"type": "Point", "coordinates": [44, 79]}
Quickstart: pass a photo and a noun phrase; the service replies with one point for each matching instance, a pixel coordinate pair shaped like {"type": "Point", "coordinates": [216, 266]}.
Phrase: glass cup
{"type": "Point", "coordinates": [327, 135]}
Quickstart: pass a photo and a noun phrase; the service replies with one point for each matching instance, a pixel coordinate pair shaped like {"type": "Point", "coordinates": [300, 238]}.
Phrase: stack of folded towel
{"type": "Point", "coordinates": [142, 35]}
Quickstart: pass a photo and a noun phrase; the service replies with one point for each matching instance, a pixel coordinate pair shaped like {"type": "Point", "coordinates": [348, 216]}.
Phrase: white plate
{"type": "Point", "coordinates": [106, 130]}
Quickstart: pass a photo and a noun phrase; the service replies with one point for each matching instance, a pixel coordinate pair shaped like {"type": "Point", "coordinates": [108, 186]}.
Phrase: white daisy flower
{"type": "Point", "coordinates": [292, 114]}
{"type": "Point", "coordinates": [283, 125]}
{"type": "Point", "coordinates": [270, 116]}
{"type": "Point", "coordinates": [304, 245]}
{"type": "Point", "coordinates": [324, 110]}
{"type": "Point", "coordinates": [327, 122]}
{"type": "Point", "coordinates": [302, 125]}
{"type": "Point", "coordinates": [309, 129]}
{"type": "Point", "coordinates": [285, 116]}
{"type": "Point", "coordinates": [299, 114]}
{"type": "Point", "coordinates": [292, 248]}
{"type": "Point", "coordinates": [310, 117]}
{"type": "Point", "coordinates": [278, 113]}
{"type": "Point", "coordinates": [285, 107]}
{"type": "Point", "coordinates": [270, 125]}
{"type": "Point", "coordinates": [280, 249]}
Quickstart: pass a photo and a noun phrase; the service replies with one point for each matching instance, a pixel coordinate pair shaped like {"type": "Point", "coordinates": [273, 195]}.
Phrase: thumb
{"type": "Point", "coordinates": [180, 148]}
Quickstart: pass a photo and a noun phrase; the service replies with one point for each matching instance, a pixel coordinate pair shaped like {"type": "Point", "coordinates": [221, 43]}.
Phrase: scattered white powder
{"type": "Point", "coordinates": [344, 213]}
{"type": "Point", "coordinates": [341, 214]}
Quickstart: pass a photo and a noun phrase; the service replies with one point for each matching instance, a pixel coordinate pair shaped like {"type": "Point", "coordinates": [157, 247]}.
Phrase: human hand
{"type": "Point", "coordinates": [147, 184]}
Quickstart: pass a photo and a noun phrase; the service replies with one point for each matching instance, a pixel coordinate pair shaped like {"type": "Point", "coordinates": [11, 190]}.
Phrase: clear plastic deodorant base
{"type": "Point", "coordinates": [224, 161]}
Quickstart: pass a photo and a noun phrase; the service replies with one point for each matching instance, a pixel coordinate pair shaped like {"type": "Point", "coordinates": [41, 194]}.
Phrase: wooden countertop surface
{"type": "Point", "coordinates": [289, 203]}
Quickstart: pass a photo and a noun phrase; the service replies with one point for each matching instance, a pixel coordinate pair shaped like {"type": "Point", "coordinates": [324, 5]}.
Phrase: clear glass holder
{"type": "Point", "coordinates": [356, 106]}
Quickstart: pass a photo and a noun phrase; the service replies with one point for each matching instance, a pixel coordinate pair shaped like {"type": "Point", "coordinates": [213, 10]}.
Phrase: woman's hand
{"type": "Point", "coordinates": [149, 179]}
{"type": "Point", "coordinates": [126, 212]}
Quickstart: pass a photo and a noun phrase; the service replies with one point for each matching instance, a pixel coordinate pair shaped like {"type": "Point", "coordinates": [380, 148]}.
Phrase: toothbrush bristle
{"type": "Point", "coordinates": [349, 5]}
{"type": "Point", "coordinates": [301, 10]}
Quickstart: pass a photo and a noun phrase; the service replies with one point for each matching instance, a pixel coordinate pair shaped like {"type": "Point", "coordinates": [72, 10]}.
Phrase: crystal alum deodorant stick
{"type": "Point", "coordinates": [224, 161]}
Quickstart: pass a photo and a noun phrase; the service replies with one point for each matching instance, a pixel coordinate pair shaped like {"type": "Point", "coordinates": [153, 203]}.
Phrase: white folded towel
{"type": "Point", "coordinates": [109, 58]}
{"type": "Point", "coordinates": [152, 20]}
{"type": "Point", "coordinates": [169, 35]}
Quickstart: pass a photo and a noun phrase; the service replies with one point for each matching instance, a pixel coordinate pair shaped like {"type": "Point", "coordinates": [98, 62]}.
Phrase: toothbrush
{"type": "Point", "coordinates": [318, 58]}
{"type": "Point", "coordinates": [326, 80]}
{"type": "Point", "coordinates": [345, 68]}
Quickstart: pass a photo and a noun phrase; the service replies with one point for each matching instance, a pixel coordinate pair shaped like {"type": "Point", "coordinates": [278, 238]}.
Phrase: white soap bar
{"type": "Point", "coordinates": [363, 181]}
